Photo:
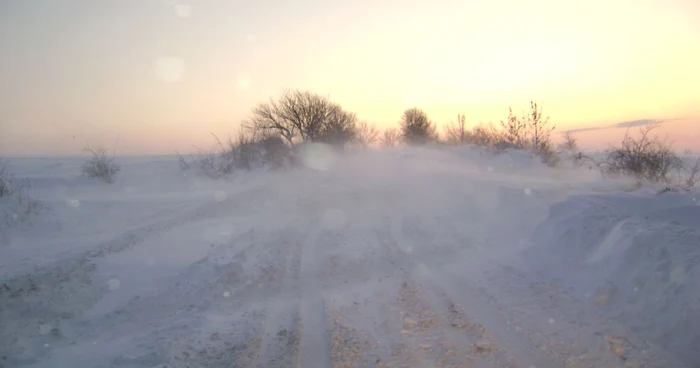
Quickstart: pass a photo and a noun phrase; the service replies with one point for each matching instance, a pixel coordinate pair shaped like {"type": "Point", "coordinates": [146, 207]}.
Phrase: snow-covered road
{"type": "Point", "coordinates": [392, 259]}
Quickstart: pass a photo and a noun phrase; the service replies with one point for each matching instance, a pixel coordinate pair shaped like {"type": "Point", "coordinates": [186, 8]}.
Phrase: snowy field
{"type": "Point", "coordinates": [395, 258]}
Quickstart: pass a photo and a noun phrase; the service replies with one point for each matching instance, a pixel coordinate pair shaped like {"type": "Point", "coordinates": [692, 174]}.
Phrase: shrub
{"type": "Point", "coordinates": [531, 131]}
{"type": "Point", "coordinates": [19, 203]}
{"type": "Point", "coordinates": [646, 158]}
{"type": "Point", "coordinates": [249, 150]}
{"type": "Point", "coordinates": [101, 165]}
{"type": "Point", "coordinates": [487, 135]}
{"type": "Point", "coordinates": [515, 131]}
{"type": "Point", "coordinates": [25, 204]}
{"type": "Point", "coordinates": [456, 132]}
{"type": "Point", "coordinates": [243, 153]}
{"type": "Point", "coordinates": [691, 175]}
{"type": "Point", "coordinates": [215, 163]}
{"type": "Point", "coordinates": [540, 131]}
{"type": "Point", "coordinates": [5, 181]}
{"type": "Point", "coordinates": [276, 152]}
{"type": "Point", "coordinates": [182, 161]}
{"type": "Point", "coordinates": [570, 143]}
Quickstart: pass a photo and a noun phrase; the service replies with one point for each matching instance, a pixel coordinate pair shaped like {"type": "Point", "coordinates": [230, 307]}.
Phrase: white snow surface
{"type": "Point", "coordinates": [425, 257]}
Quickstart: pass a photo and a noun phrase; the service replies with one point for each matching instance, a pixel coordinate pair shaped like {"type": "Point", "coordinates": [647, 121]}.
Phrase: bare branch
{"type": "Point", "coordinates": [456, 133]}
{"type": "Point", "coordinates": [391, 137]}
{"type": "Point", "coordinates": [300, 115]}
{"type": "Point", "coordinates": [366, 134]}
{"type": "Point", "coordinates": [570, 143]}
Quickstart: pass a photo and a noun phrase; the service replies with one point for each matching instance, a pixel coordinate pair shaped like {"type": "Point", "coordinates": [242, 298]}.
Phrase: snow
{"type": "Point", "coordinates": [639, 251]}
{"type": "Point", "coordinates": [399, 257]}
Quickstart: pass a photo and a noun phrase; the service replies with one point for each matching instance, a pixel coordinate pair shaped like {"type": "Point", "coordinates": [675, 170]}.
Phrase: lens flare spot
{"type": "Point", "coordinates": [183, 11]}
{"type": "Point", "coordinates": [243, 82]}
{"type": "Point", "coordinates": [73, 203]}
{"type": "Point", "coordinates": [318, 156]}
{"type": "Point", "coordinates": [169, 69]}
{"type": "Point", "coordinates": [113, 284]}
{"type": "Point", "coordinates": [220, 196]}
{"type": "Point", "coordinates": [44, 328]}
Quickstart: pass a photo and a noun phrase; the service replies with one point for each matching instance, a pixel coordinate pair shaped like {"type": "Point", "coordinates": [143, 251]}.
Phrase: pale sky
{"type": "Point", "coordinates": [160, 75]}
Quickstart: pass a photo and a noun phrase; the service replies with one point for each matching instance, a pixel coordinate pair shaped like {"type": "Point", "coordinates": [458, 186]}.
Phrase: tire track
{"type": "Point", "coordinates": [279, 345]}
{"type": "Point", "coordinates": [356, 288]}
{"type": "Point", "coordinates": [393, 327]}
{"type": "Point", "coordinates": [314, 345]}
{"type": "Point", "coordinates": [503, 337]}
{"type": "Point", "coordinates": [432, 324]}
{"type": "Point", "coordinates": [453, 331]}
{"type": "Point", "coordinates": [560, 335]}
{"type": "Point", "coordinates": [256, 266]}
{"type": "Point", "coordinates": [362, 331]}
{"type": "Point", "coordinates": [53, 273]}
{"type": "Point", "coordinates": [549, 318]}
{"type": "Point", "coordinates": [593, 340]}
{"type": "Point", "coordinates": [166, 312]}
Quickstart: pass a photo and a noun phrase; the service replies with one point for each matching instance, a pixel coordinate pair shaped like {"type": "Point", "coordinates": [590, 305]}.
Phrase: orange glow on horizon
{"type": "Point", "coordinates": [162, 77]}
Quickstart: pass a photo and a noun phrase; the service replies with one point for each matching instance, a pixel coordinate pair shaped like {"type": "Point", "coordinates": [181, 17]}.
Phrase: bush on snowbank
{"type": "Point", "coordinates": [16, 200]}
{"type": "Point", "coordinates": [276, 131]}
{"type": "Point", "coordinates": [530, 132]}
{"type": "Point", "coordinates": [278, 128]}
{"type": "Point", "coordinates": [648, 158]}
{"type": "Point", "coordinates": [100, 166]}
{"type": "Point", "coordinates": [245, 152]}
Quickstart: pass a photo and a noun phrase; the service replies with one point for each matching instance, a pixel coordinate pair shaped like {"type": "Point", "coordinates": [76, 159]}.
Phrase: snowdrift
{"type": "Point", "coordinates": [165, 267]}
{"type": "Point", "coordinates": [637, 256]}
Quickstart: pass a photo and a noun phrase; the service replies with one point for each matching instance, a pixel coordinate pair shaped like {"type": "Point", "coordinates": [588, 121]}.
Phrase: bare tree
{"type": "Point", "coordinates": [269, 119]}
{"type": "Point", "coordinates": [366, 134]}
{"type": "Point", "coordinates": [390, 137]}
{"type": "Point", "coordinates": [338, 127]}
{"type": "Point", "coordinates": [456, 132]}
{"type": "Point", "coordinates": [296, 114]}
{"type": "Point", "coordinates": [416, 128]}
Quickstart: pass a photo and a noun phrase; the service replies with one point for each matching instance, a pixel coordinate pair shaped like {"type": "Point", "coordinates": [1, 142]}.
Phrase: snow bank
{"type": "Point", "coordinates": [138, 272]}
{"type": "Point", "coordinates": [636, 255]}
